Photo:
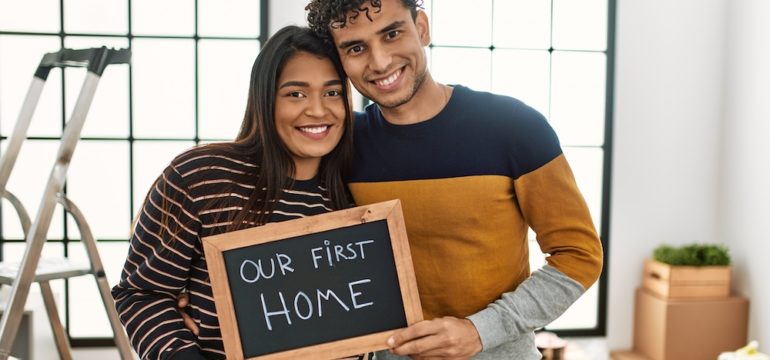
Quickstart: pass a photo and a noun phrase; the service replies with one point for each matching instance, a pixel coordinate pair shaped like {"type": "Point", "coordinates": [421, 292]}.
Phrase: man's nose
{"type": "Point", "coordinates": [380, 59]}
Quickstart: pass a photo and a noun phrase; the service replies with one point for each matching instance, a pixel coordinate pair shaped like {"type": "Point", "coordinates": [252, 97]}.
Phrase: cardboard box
{"type": "Point", "coordinates": [626, 355]}
{"type": "Point", "coordinates": [677, 329]}
{"type": "Point", "coordinates": [686, 281]}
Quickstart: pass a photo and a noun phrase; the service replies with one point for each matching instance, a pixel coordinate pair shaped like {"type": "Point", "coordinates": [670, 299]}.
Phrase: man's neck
{"type": "Point", "coordinates": [427, 102]}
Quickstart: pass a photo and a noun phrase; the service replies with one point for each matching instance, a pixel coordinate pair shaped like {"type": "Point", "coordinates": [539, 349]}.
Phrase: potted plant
{"type": "Point", "coordinates": [690, 271]}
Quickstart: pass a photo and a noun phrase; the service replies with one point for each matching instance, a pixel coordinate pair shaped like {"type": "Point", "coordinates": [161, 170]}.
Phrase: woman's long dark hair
{"type": "Point", "coordinates": [259, 140]}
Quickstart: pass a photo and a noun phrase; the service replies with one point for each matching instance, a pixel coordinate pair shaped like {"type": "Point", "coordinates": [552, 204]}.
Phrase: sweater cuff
{"type": "Point", "coordinates": [189, 353]}
{"type": "Point", "coordinates": [490, 328]}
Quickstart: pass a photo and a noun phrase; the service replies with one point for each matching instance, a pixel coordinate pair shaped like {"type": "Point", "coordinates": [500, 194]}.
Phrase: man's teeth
{"type": "Point", "coordinates": [314, 129]}
{"type": "Point", "coordinates": [389, 80]}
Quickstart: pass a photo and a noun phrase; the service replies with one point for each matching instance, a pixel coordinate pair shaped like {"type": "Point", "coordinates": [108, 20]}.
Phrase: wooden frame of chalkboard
{"type": "Point", "coordinates": [255, 274]}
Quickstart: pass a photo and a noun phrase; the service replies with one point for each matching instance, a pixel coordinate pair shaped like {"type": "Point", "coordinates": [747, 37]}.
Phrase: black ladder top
{"type": "Point", "coordinates": [95, 59]}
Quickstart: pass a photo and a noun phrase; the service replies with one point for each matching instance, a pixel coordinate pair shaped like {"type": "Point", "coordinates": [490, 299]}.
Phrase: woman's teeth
{"type": "Point", "coordinates": [314, 129]}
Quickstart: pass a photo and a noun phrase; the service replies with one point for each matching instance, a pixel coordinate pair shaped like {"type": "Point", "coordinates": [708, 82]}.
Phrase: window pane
{"type": "Point", "coordinates": [228, 18]}
{"type": "Point", "coordinates": [523, 74]}
{"type": "Point", "coordinates": [150, 158]}
{"type": "Point", "coordinates": [163, 88]}
{"type": "Point", "coordinates": [108, 114]}
{"type": "Point", "coordinates": [587, 165]}
{"type": "Point", "coordinates": [27, 182]}
{"type": "Point", "coordinates": [522, 24]}
{"type": "Point", "coordinates": [469, 67]}
{"type": "Point", "coordinates": [96, 16]}
{"type": "Point", "coordinates": [580, 24]}
{"type": "Point", "coordinates": [30, 16]}
{"type": "Point", "coordinates": [88, 317]}
{"type": "Point", "coordinates": [167, 17]}
{"type": "Point", "coordinates": [577, 97]}
{"type": "Point", "coordinates": [98, 185]}
{"type": "Point", "coordinates": [224, 70]}
{"type": "Point", "coordinates": [21, 56]}
{"type": "Point", "coordinates": [446, 31]}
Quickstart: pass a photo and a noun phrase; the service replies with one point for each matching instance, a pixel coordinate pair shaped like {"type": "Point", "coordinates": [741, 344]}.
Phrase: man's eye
{"type": "Point", "coordinates": [392, 34]}
{"type": "Point", "coordinates": [355, 49]}
{"type": "Point", "coordinates": [333, 93]}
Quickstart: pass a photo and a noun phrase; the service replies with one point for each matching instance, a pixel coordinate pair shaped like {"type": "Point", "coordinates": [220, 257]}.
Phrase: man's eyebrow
{"type": "Point", "coordinates": [305, 84]}
{"type": "Point", "coordinates": [392, 26]}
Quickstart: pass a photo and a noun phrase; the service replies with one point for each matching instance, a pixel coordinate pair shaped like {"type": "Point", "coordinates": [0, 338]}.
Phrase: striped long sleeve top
{"type": "Point", "coordinates": [194, 197]}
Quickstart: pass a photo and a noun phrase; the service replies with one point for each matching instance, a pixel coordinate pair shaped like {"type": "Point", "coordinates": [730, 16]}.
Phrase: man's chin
{"type": "Point", "coordinates": [391, 102]}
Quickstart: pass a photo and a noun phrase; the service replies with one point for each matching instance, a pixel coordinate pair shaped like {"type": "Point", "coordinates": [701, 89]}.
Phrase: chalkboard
{"type": "Point", "coordinates": [326, 286]}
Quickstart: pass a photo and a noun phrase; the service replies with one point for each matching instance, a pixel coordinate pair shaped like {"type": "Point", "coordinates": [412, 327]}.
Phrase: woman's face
{"type": "Point", "coordinates": [309, 110]}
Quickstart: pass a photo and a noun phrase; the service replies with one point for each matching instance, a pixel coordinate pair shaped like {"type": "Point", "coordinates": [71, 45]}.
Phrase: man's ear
{"type": "Point", "coordinates": [423, 29]}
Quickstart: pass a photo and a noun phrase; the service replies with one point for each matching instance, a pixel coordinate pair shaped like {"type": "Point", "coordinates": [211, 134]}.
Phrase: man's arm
{"type": "Point", "coordinates": [556, 211]}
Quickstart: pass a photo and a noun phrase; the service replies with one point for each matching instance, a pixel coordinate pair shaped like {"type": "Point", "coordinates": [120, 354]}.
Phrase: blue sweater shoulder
{"type": "Point", "coordinates": [477, 133]}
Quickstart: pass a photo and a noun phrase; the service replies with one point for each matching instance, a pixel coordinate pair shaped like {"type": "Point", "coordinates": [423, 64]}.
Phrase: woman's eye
{"type": "Point", "coordinates": [333, 93]}
{"type": "Point", "coordinates": [296, 94]}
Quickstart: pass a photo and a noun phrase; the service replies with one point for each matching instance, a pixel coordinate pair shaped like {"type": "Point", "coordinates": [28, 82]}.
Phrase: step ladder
{"type": "Point", "coordinates": [32, 268]}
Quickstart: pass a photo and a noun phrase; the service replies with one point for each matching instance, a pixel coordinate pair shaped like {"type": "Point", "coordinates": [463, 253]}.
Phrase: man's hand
{"type": "Point", "coordinates": [182, 301]}
{"type": "Point", "coordinates": [444, 338]}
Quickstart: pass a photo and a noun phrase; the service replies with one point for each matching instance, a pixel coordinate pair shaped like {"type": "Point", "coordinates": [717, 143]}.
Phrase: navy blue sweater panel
{"type": "Point", "coordinates": [477, 133]}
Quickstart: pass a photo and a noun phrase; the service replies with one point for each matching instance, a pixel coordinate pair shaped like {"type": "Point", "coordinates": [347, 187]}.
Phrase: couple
{"type": "Point", "coordinates": [473, 171]}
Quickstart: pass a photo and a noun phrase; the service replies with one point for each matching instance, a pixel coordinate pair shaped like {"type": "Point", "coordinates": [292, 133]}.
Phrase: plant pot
{"type": "Point", "coordinates": [686, 282]}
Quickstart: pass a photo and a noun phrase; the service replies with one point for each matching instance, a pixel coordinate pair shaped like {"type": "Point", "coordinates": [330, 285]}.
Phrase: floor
{"type": "Point", "coordinates": [578, 349]}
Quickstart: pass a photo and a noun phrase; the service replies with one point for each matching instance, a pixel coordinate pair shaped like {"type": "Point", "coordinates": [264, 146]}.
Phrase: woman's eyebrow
{"type": "Point", "coordinates": [294, 83]}
{"type": "Point", "coordinates": [305, 84]}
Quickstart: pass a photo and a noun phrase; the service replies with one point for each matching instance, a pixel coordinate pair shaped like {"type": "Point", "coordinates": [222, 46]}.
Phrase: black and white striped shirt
{"type": "Point", "coordinates": [202, 189]}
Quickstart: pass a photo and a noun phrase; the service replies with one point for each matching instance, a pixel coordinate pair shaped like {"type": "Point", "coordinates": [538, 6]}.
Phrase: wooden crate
{"type": "Point", "coordinates": [686, 282]}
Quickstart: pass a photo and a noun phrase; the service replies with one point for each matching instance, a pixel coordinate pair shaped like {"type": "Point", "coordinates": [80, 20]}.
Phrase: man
{"type": "Point", "coordinates": [473, 171]}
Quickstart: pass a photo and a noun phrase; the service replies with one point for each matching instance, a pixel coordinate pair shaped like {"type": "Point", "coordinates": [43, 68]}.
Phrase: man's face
{"type": "Point", "coordinates": [385, 57]}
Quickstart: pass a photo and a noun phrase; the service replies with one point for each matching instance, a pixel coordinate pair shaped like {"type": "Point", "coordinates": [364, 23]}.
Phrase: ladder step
{"type": "Point", "coordinates": [47, 269]}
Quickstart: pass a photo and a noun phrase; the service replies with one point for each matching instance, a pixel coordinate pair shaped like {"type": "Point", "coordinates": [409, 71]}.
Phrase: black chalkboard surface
{"type": "Point", "coordinates": [326, 286]}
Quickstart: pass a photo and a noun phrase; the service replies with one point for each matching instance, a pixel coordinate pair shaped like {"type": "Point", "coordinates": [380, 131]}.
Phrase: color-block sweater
{"type": "Point", "coordinates": [204, 188]}
{"type": "Point", "coordinates": [472, 180]}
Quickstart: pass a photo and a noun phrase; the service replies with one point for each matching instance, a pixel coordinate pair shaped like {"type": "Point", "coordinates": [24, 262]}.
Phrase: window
{"type": "Point", "coordinates": [187, 84]}
{"type": "Point", "coordinates": [555, 56]}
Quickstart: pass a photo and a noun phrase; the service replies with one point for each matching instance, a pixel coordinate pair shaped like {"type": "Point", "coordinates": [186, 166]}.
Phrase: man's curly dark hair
{"type": "Point", "coordinates": [324, 15]}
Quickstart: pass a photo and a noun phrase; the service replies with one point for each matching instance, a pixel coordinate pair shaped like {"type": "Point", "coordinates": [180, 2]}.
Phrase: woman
{"type": "Point", "coordinates": [287, 162]}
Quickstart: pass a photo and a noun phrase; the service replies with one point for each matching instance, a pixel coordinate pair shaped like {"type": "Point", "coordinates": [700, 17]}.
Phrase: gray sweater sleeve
{"type": "Point", "coordinates": [538, 301]}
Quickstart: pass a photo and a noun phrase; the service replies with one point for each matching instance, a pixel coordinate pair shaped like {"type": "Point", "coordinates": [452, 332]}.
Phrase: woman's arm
{"type": "Point", "coordinates": [164, 243]}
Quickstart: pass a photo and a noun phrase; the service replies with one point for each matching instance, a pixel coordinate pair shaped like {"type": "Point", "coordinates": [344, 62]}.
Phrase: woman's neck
{"type": "Point", "coordinates": [306, 169]}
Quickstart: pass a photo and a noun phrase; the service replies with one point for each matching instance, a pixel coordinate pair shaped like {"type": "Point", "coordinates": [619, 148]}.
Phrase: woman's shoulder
{"type": "Point", "coordinates": [219, 156]}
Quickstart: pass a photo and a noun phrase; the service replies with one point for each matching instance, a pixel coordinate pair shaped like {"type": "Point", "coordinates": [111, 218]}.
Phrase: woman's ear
{"type": "Point", "coordinates": [423, 29]}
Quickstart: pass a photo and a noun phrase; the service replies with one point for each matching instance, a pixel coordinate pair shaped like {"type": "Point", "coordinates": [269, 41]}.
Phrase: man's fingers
{"type": "Point", "coordinates": [189, 323]}
{"type": "Point", "coordinates": [182, 300]}
{"type": "Point", "coordinates": [446, 338]}
{"type": "Point", "coordinates": [415, 331]}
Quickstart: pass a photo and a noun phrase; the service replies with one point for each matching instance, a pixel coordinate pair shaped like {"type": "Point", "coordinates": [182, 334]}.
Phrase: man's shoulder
{"type": "Point", "coordinates": [495, 104]}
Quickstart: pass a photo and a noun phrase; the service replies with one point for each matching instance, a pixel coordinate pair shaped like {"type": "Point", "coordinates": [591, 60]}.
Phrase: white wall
{"type": "Point", "coordinates": [690, 160]}
{"type": "Point", "coordinates": [668, 109]}
{"type": "Point", "coordinates": [745, 173]}
{"type": "Point", "coordinates": [286, 12]}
